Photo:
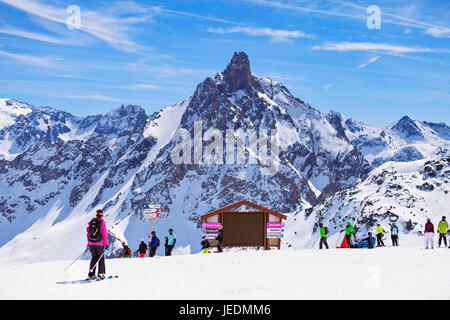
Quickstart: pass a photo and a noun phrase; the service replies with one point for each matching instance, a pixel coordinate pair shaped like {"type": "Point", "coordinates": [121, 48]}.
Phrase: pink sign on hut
{"type": "Point", "coordinates": [275, 230]}
{"type": "Point", "coordinates": [211, 230]}
{"type": "Point", "coordinates": [211, 225]}
{"type": "Point", "coordinates": [275, 225]}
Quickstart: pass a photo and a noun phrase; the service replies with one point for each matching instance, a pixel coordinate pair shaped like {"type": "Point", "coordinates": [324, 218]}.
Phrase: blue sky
{"type": "Point", "coordinates": [154, 53]}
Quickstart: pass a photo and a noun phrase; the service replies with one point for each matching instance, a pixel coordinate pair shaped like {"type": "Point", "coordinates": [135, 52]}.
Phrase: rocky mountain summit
{"type": "Point", "coordinates": [57, 168]}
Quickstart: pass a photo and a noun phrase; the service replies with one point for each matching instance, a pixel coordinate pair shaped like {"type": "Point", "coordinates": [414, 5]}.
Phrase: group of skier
{"type": "Point", "coordinates": [370, 240]}
{"type": "Point", "coordinates": [97, 241]}
{"type": "Point", "coordinates": [154, 243]}
{"type": "Point", "coordinates": [97, 238]}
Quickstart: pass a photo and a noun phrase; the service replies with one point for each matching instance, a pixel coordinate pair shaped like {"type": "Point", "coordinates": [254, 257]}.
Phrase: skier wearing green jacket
{"type": "Point", "coordinates": [380, 231]}
{"type": "Point", "coordinates": [443, 229]}
{"type": "Point", "coordinates": [323, 236]}
{"type": "Point", "coordinates": [348, 233]}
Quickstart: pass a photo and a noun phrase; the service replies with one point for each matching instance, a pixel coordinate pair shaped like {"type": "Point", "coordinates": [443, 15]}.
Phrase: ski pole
{"type": "Point", "coordinates": [114, 236]}
{"type": "Point", "coordinates": [75, 260]}
{"type": "Point", "coordinates": [339, 237]}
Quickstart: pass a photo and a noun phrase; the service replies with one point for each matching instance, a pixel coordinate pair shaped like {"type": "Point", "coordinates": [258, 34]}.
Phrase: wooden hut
{"type": "Point", "coordinates": [246, 224]}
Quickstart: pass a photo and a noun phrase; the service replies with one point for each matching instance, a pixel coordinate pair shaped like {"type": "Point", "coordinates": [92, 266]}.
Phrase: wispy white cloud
{"type": "Point", "coordinates": [370, 46]}
{"type": "Point", "coordinates": [46, 62]}
{"type": "Point", "coordinates": [368, 62]}
{"type": "Point", "coordinates": [297, 8]}
{"type": "Point", "coordinates": [261, 32]}
{"type": "Point", "coordinates": [438, 32]}
{"type": "Point", "coordinates": [161, 10]}
{"type": "Point", "coordinates": [113, 29]}
{"type": "Point", "coordinates": [142, 86]}
{"type": "Point", "coordinates": [430, 28]}
{"type": "Point", "coordinates": [358, 14]}
{"type": "Point", "coordinates": [328, 86]}
{"type": "Point", "coordinates": [91, 97]}
{"type": "Point", "coordinates": [31, 35]}
{"type": "Point", "coordinates": [439, 94]}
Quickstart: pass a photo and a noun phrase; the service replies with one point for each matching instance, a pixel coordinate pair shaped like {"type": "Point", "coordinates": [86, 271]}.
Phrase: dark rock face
{"type": "Point", "coordinates": [237, 75]}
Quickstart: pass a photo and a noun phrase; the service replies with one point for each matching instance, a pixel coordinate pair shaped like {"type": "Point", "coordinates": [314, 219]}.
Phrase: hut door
{"type": "Point", "coordinates": [243, 229]}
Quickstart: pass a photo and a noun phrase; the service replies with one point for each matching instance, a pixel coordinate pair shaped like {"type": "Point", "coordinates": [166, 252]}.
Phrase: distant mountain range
{"type": "Point", "coordinates": [56, 169]}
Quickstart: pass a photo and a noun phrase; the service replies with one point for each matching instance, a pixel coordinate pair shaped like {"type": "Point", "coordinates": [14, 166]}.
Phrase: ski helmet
{"type": "Point", "coordinates": [99, 213]}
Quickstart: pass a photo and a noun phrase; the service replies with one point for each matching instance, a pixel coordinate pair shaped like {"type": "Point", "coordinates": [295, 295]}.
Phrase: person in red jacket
{"type": "Point", "coordinates": [429, 234]}
{"type": "Point", "coordinates": [97, 237]}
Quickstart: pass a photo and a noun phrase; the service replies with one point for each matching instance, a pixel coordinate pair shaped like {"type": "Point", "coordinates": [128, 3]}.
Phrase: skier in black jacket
{"type": "Point", "coordinates": [142, 248]}
{"type": "Point", "coordinates": [219, 239]}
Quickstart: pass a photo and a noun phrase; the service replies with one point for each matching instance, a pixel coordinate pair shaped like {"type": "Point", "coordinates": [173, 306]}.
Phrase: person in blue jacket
{"type": "Point", "coordinates": [394, 235]}
{"type": "Point", "coordinates": [205, 245]}
{"type": "Point", "coordinates": [154, 244]}
{"type": "Point", "coordinates": [368, 242]}
{"type": "Point", "coordinates": [171, 239]}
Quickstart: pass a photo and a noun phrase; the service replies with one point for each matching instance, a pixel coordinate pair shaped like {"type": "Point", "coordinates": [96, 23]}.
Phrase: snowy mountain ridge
{"type": "Point", "coordinates": [403, 141]}
{"type": "Point", "coordinates": [56, 169]}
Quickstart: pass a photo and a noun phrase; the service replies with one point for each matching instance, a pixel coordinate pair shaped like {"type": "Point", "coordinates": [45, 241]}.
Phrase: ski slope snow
{"type": "Point", "coordinates": [406, 272]}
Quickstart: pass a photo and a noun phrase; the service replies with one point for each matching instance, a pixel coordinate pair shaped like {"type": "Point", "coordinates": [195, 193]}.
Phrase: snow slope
{"type": "Point", "coordinates": [10, 110]}
{"type": "Point", "coordinates": [406, 193]}
{"type": "Point", "coordinates": [286, 274]}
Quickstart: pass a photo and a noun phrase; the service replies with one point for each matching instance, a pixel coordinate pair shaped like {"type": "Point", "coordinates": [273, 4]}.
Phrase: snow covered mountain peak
{"type": "Point", "coordinates": [122, 119]}
{"type": "Point", "coordinates": [405, 140]}
{"type": "Point", "coordinates": [56, 169]}
{"type": "Point", "coordinates": [407, 128]}
{"type": "Point", "coordinates": [11, 109]}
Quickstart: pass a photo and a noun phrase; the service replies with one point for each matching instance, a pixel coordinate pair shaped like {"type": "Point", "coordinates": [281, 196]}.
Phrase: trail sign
{"type": "Point", "coordinates": [152, 211]}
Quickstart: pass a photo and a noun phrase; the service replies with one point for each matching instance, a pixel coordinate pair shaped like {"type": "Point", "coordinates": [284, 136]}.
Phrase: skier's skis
{"type": "Point", "coordinates": [88, 280]}
{"type": "Point", "coordinates": [77, 281]}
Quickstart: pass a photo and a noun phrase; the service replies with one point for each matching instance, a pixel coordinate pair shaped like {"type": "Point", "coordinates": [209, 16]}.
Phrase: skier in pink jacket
{"type": "Point", "coordinates": [97, 238]}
